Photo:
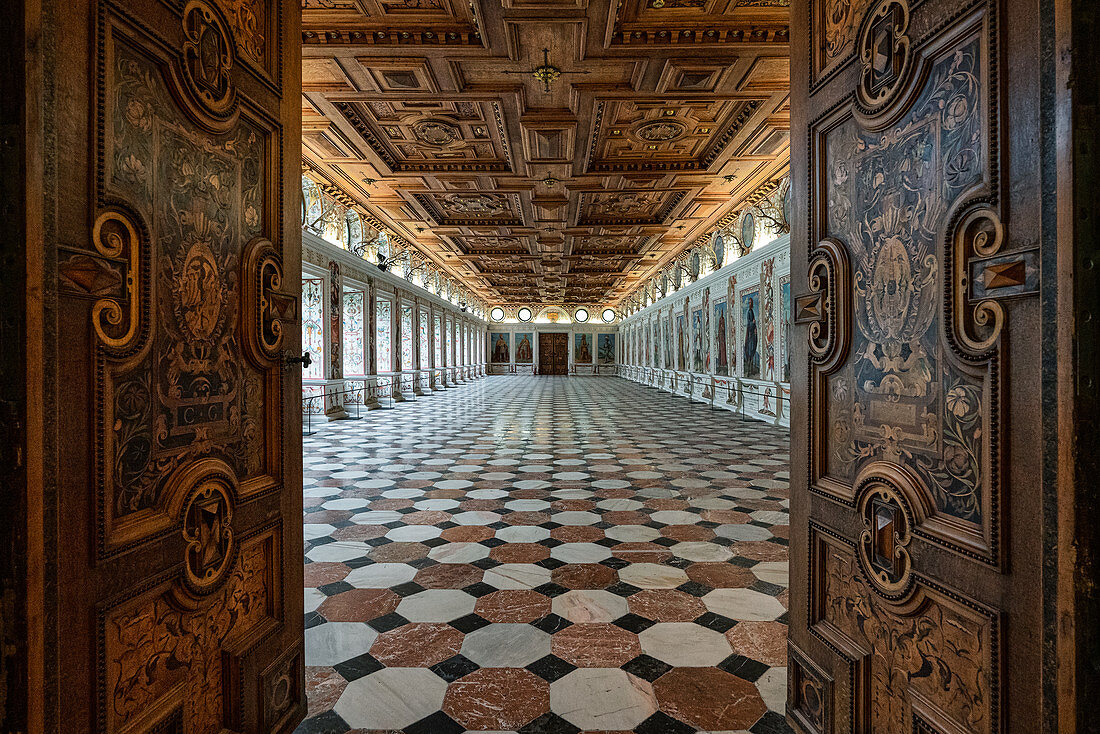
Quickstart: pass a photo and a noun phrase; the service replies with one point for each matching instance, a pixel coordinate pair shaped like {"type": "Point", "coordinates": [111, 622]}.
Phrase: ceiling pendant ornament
{"type": "Point", "coordinates": [546, 73]}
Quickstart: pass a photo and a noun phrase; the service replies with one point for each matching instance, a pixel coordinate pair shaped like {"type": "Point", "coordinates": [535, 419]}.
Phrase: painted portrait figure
{"type": "Point", "coordinates": [524, 353]}
{"type": "Point", "coordinates": [721, 362]}
{"type": "Point", "coordinates": [500, 349]}
{"type": "Point", "coordinates": [582, 354]}
{"type": "Point", "coordinates": [697, 339]}
{"type": "Point", "coordinates": [605, 348]}
{"type": "Point", "coordinates": [751, 345]}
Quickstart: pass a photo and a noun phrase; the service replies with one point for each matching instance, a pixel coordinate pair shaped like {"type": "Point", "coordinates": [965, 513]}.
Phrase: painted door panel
{"type": "Point", "coordinates": [179, 594]}
{"type": "Point", "coordinates": [914, 268]}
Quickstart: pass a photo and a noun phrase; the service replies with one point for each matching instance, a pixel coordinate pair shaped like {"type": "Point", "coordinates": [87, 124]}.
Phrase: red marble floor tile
{"type": "Point", "coordinates": [358, 605]}
{"type": "Point", "coordinates": [448, 576]}
{"type": "Point", "coordinates": [520, 553]}
{"type": "Point", "coordinates": [327, 516]}
{"type": "Point", "coordinates": [584, 576]}
{"type": "Point", "coordinates": [389, 504]}
{"type": "Point", "coordinates": [625, 517]}
{"type": "Point", "coordinates": [709, 698]}
{"type": "Point", "coordinates": [667, 503]}
{"type": "Point", "coordinates": [526, 518]}
{"type": "Point", "coordinates": [360, 532]}
{"type": "Point", "coordinates": [666, 605]}
{"type": "Point", "coordinates": [781, 531]}
{"type": "Point", "coordinates": [726, 517]}
{"type": "Point", "coordinates": [398, 552]}
{"type": "Point", "coordinates": [426, 517]}
{"type": "Point", "coordinates": [479, 505]}
{"type": "Point", "coordinates": [721, 575]}
{"type": "Point", "coordinates": [760, 550]}
{"type": "Point", "coordinates": [325, 686]}
{"type": "Point", "coordinates": [513, 605]}
{"type": "Point", "coordinates": [467, 534]}
{"type": "Point", "coordinates": [577, 534]}
{"type": "Point", "coordinates": [641, 552]}
{"type": "Point", "coordinates": [497, 699]}
{"type": "Point", "coordinates": [763, 641]}
{"type": "Point", "coordinates": [615, 494]}
{"type": "Point", "coordinates": [445, 494]}
{"type": "Point", "coordinates": [687, 533]}
{"type": "Point", "coordinates": [417, 645]}
{"type": "Point", "coordinates": [595, 645]}
{"type": "Point", "coordinates": [572, 505]}
{"type": "Point", "coordinates": [323, 572]}
{"type": "Point", "coordinates": [414, 484]}
{"type": "Point", "coordinates": [784, 598]}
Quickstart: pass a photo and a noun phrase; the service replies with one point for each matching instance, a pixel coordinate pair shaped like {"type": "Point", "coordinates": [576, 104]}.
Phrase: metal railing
{"type": "Point", "coordinates": [380, 395]}
{"type": "Point", "coordinates": [706, 388]}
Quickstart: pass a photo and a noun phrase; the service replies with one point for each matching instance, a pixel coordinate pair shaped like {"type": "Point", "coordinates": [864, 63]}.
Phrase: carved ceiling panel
{"type": "Point", "coordinates": [658, 134]}
{"type": "Point", "coordinates": [547, 150]}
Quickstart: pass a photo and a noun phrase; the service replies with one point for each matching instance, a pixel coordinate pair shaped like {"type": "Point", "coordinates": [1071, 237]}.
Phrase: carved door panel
{"type": "Point", "coordinates": [179, 557]}
{"type": "Point", "coordinates": [915, 263]}
{"type": "Point", "coordinates": [553, 357]}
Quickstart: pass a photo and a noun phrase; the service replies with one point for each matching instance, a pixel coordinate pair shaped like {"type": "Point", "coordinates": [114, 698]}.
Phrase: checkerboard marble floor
{"type": "Point", "coordinates": [544, 555]}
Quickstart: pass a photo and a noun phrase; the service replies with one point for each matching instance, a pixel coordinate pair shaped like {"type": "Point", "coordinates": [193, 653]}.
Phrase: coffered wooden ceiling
{"type": "Point", "coordinates": [427, 113]}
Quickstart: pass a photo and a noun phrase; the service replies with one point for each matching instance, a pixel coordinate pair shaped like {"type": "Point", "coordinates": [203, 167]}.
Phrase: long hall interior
{"type": "Point", "coordinates": [549, 366]}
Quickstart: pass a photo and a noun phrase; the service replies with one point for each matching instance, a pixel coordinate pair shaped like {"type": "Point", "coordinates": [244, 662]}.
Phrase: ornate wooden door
{"type": "Point", "coordinates": [553, 354]}
{"type": "Point", "coordinates": [178, 597]}
{"type": "Point", "coordinates": [916, 559]}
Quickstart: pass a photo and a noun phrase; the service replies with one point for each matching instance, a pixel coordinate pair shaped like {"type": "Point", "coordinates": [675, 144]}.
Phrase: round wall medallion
{"type": "Point", "coordinates": [719, 246]}
{"type": "Point", "coordinates": [434, 132]}
{"type": "Point", "coordinates": [661, 131]}
{"type": "Point", "coordinates": [748, 230]}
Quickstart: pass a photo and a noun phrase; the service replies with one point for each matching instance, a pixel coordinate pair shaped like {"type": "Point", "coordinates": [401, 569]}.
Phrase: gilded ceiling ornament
{"type": "Point", "coordinates": [476, 205]}
{"type": "Point", "coordinates": [661, 131]}
{"type": "Point", "coordinates": [437, 133]}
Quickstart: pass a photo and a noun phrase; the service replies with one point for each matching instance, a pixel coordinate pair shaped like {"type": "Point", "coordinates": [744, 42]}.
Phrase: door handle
{"type": "Point", "coordinates": [305, 360]}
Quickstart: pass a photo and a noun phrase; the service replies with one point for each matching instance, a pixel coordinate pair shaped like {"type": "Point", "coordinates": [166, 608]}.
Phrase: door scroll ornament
{"type": "Point", "coordinates": [981, 277]}
{"type": "Point", "coordinates": [115, 236]}
{"type": "Point", "coordinates": [205, 67]}
{"type": "Point", "coordinates": [265, 305]}
{"type": "Point", "coordinates": [826, 309]}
